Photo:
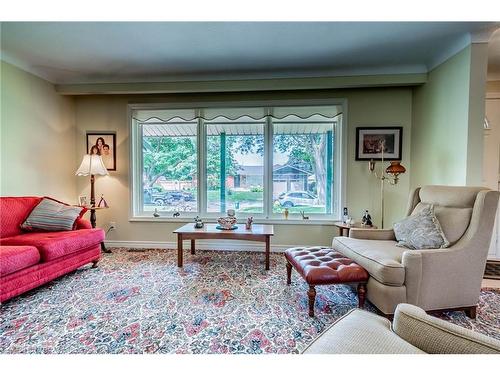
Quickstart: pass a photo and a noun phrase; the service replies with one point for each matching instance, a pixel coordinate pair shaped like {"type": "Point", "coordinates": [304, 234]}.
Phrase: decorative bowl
{"type": "Point", "coordinates": [227, 222]}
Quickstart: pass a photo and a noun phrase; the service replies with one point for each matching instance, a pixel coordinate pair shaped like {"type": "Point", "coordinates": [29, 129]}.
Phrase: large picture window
{"type": "Point", "coordinates": [259, 161]}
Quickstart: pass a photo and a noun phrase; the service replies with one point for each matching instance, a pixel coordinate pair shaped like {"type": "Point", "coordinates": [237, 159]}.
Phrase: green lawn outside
{"type": "Point", "coordinates": [236, 196]}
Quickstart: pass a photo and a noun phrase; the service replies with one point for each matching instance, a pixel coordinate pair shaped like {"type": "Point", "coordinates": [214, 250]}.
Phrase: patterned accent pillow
{"type": "Point", "coordinates": [420, 231]}
{"type": "Point", "coordinates": [52, 216]}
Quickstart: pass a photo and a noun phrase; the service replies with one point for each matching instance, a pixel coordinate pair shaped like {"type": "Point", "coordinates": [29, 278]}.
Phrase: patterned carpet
{"type": "Point", "coordinates": [221, 302]}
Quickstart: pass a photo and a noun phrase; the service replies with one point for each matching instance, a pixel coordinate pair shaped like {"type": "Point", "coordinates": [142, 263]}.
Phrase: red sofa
{"type": "Point", "coordinates": [30, 259]}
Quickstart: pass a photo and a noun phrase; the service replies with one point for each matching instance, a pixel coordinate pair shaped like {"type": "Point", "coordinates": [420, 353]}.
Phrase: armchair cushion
{"type": "Point", "coordinates": [382, 259]}
{"type": "Point", "coordinates": [452, 205]}
{"type": "Point", "coordinates": [360, 332]}
{"type": "Point", "coordinates": [420, 231]}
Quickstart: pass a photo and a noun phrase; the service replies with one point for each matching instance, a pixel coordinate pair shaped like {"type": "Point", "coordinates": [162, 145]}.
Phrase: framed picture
{"type": "Point", "coordinates": [82, 200]}
{"type": "Point", "coordinates": [104, 144]}
{"type": "Point", "coordinates": [369, 142]}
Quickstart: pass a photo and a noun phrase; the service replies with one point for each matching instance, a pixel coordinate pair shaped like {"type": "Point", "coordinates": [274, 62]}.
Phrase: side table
{"type": "Point", "coordinates": [92, 210]}
{"type": "Point", "coordinates": [347, 227]}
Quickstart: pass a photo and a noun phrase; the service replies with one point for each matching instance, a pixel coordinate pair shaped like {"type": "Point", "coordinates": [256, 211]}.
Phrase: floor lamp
{"type": "Point", "coordinates": [391, 173]}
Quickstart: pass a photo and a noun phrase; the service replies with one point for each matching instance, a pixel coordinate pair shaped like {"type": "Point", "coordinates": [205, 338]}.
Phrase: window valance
{"type": "Point", "coordinates": [255, 113]}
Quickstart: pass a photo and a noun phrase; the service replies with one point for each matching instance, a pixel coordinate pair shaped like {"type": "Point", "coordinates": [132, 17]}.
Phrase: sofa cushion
{"type": "Point", "coordinates": [13, 211]}
{"type": "Point", "coordinates": [15, 258]}
{"type": "Point", "coordinates": [360, 332]}
{"type": "Point", "coordinates": [53, 245]}
{"type": "Point", "coordinates": [52, 215]}
{"type": "Point", "coordinates": [382, 259]}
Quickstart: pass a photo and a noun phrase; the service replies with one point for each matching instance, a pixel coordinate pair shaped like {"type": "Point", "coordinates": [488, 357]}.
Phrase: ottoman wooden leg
{"type": "Point", "coordinates": [312, 297]}
{"type": "Point", "coordinates": [288, 273]}
{"type": "Point", "coordinates": [361, 294]}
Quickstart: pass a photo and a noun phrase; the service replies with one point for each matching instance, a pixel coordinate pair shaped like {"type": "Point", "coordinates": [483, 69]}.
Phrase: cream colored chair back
{"type": "Point", "coordinates": [453, 206]}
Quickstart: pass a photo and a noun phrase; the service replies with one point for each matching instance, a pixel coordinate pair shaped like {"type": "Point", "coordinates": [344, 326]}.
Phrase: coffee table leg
{"type": "Point", "coordinates": [192, 247]}
{"type": "Point", "coordinates": [179, 250]}
{"type": "Point", "coordinates": [268, 250]}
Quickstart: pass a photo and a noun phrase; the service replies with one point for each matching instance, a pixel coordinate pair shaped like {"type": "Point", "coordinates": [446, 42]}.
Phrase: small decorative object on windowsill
{"type": "Point", "coordinates": [304, 217]}
{"type": "Point", "coordinates": [102, 202]}
{"type": "Point", "coordinates": [366, 221]}
{"type": "Point", "coordinates": [248, 224]}
{"type": "Point", "coordinates": [176, 214]}
{"type": "Point", "coordinates": [156, 213]}
{"type": "Point", "coordinates": [286, 213]}
{"type": "Point", "coordinates": [198, 223]}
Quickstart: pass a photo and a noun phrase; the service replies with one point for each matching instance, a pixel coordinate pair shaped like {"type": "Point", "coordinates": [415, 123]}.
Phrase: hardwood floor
{"type": "Point", "coordinates": [491, 283]}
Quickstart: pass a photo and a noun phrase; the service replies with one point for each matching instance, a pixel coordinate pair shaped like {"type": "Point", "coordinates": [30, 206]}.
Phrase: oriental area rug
{"type": "Point", "coordinates": [219, 302]}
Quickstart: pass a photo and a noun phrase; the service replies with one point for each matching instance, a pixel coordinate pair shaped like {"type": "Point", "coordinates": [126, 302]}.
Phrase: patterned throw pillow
{"type": "Point", "coordinates": [50, 215]}
{"type": "Point", "coordinates": [420, 231]}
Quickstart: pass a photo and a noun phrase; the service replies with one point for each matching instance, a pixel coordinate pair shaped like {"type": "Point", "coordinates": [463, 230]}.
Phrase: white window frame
{"type": "Point", "coordinates": [136, 212]}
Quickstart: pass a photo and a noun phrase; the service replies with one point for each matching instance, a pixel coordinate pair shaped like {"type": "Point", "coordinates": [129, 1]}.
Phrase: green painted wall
{"type": "Point", "coordinates": [440, 122]}
{"type": "Point", "coordinates": [37, 137]}
{"type": "Point", "coordinates": [448, 113]}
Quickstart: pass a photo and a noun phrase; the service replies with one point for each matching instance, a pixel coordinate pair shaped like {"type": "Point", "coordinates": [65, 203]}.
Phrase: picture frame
{"type": "Point", "coordinates": [368, 143]}
{"type": "Point", "coordinates": [103, 144]}
{"type": "Point", "coordinates": [83, 201]}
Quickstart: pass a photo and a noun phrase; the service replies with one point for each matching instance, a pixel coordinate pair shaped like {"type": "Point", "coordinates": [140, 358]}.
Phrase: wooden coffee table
{"type": "Point", "coordinates": [259, 233]}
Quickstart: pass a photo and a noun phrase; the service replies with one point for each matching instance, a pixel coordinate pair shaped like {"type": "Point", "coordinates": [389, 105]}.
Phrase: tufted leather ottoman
{"type": "Point", "coordinates": [324, 266]}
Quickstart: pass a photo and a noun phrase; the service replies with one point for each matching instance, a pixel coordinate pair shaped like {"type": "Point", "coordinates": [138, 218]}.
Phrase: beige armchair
{"type": "Point", "coordinates": [412, 332]}
{"type": "Point", "coordinates": [433, 279]}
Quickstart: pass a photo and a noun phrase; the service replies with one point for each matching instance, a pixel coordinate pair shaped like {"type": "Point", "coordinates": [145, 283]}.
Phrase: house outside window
{"type": "Point", "coordinates": [259, 161]}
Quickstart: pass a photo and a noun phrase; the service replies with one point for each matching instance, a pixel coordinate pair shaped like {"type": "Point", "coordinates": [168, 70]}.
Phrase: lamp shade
{"type": "Point", "coordinates": [91, 164]}
{"type": "Point", "coordinates": [395, 168]}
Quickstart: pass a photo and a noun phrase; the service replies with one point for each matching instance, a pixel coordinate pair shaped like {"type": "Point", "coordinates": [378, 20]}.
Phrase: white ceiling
{"type": "Point", "coordinates": [108, 52]}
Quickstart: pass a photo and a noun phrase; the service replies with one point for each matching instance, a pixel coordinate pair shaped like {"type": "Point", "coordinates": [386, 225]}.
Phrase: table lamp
{"type": "Point", "coordinates": [92, 165]}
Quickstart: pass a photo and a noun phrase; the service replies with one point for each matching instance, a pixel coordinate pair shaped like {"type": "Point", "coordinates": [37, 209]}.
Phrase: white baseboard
{"type": "Point", "coordinates": [228, 245]}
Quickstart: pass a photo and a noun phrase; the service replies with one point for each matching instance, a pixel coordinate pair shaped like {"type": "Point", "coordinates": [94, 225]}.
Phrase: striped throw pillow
{"type": "Point", "coordinates": [50, 215]}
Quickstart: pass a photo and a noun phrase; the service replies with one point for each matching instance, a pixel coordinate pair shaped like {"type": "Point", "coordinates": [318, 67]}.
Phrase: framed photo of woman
{"type": "Point", "coordinates": [103, 144]}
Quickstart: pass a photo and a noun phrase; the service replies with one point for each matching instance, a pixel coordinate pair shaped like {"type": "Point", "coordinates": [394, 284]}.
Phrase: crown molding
{"type": "Point", "coordinates": [343, 82]}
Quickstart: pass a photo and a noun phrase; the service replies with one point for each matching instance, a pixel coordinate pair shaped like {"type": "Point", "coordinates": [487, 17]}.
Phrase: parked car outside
{"type": "Point", "coordinates": [161, 197]}
{"type": "Point", "coordinates": [297, 198]}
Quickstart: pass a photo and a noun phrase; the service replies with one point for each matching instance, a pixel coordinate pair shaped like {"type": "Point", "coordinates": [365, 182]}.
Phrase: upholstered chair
{"type": "Point", "coordinates": [412, 332]}
{"type": "Point", "coordinates": [433, 279]}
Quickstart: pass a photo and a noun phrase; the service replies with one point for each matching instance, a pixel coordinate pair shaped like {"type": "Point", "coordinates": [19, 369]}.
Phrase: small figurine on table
{"type": "Point", "coordinates": [102, 202]}
{"type": "Point", "coordinates": [367, 219]}
{"type": "Point", "coordinates": [248, 224]}
{"type": "Point", "coordinates": [198, 223]}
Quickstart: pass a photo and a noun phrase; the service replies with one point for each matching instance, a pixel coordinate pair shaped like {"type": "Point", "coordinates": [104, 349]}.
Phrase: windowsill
{"type": "Point", "coordinates": [329, 221]}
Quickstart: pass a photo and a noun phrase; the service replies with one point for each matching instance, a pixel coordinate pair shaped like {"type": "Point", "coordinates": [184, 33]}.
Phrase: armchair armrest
{"type": "Point", "coordinates": [82, 224]}
{"type": "Point", "coordinates": [372, 234]}
{"type": "Point", "coordinates": [436, 336]}
{"type": "Point", "coordinates": [443, 278]}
